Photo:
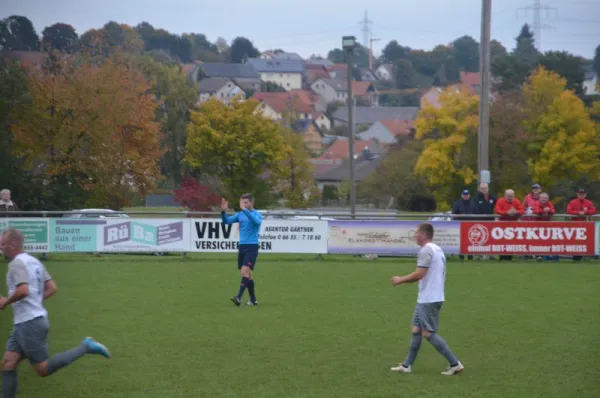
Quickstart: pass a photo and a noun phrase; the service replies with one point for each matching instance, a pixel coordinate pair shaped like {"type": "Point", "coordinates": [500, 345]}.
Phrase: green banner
{"type": "Point", "coordinates": [72, 235]}
{"type": "Point", "coordinates": [35, 232]}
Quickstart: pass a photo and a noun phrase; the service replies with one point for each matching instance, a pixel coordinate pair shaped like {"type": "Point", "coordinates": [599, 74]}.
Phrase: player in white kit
{"type": "Point", "coordinates": [431, 274]}
{"type": "Point", "coordinates": [29, 284]}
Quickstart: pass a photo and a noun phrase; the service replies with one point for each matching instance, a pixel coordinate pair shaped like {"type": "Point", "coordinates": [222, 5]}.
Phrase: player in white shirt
{"type": "Point", "coordinates": [431, 274]}
{"type": "Point", "coordinates": [29, 284]}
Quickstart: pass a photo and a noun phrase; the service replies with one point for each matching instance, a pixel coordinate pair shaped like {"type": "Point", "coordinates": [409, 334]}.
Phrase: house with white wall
{"type": "Point", "coordinates": [337, 90]}
{"type": "Point", "coordinates": [220, 88]}
{"type": "Point", "coordinates": [385, 72]}
{"type": "Point", "coordinates": [285, 72]}
{"type": "Point", "coordinates": [590, 82]}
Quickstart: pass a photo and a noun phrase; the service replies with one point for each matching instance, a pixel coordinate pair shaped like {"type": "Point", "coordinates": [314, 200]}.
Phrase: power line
{"type": "Point", "coordinates": [537, 7]}
{"type": "Point", "coordinates": [366, 29]}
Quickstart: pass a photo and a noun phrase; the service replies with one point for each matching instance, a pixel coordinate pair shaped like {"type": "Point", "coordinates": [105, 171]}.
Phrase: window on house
{"type": "Point", "coordinates": [288, 84]}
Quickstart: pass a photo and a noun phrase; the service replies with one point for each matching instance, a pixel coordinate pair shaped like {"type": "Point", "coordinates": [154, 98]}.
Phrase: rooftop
{"type": "Point", "coordinates": [370, 115]}
{"type": "Point", "coordinates": [232, 71]}
{"type": "Point", "coordinates": [213, 84]}
{"type": "Point", "coordinates": [277, 65]}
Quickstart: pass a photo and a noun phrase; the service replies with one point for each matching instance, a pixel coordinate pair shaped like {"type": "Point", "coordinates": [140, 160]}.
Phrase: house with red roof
{"type": "Point", "coordinates": [303, 104]}
{"type": "Point", "coordinates": [340, 149]}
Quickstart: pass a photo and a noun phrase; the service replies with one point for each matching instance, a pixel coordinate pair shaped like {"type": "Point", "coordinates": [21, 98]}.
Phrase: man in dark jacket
{"type": "Point", "coordinates": [464, 206]}
{"type": "Point", "coordinates": [485, 202]}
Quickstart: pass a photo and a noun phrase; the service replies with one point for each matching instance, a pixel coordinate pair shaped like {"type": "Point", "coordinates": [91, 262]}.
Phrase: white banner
{"type": "Point", "coordinates": [388, 237]}
{"type": "Point", "coordinates": [276, 236]}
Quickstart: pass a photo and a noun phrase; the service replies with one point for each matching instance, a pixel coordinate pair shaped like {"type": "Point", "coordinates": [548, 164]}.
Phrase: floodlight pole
{"type": "Point", "coordinates": [484, 98]}
{"type": "Point", "coordinates": [348, 44]}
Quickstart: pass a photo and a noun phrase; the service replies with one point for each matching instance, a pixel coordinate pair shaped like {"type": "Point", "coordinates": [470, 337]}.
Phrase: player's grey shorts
{"type": "Point", "coordinates": [427, 316]}
{"type": "Point", "coordinates": [30, 340]}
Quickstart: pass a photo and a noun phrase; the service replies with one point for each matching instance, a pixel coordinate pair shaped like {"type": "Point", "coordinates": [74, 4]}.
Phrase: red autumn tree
{"type": "Point", "coordinates": [195, 196]}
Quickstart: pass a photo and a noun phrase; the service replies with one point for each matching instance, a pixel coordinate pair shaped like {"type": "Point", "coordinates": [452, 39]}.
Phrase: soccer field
{"type": "Point", "coordinates": [323, 328]}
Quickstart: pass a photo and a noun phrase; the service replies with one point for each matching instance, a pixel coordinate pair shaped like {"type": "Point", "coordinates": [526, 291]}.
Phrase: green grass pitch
{"type": "Point", "coordinates": [324, 328]}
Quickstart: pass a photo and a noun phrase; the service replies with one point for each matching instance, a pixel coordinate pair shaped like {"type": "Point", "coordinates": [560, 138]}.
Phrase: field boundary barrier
{"type": "Point", "coordinates": [370, 232]}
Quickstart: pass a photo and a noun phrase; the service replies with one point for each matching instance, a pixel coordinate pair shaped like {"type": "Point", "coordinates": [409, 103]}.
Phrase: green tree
{"type": "Point", "coordinates": [406, 75]}
{"type": "Point", "coordinates": [26, 188]}
{"type": "Point", "coordinates": [294, 177]}
{"type": "Point", "coordinates": [567, 65]}
{"type": "Point", "coordinates": [272, 87]}
{"type": "Point", "coordinates": [236, 145]}
{"type": "Point", "coordinates": [562, 141]}
{"type": "Point", "coordinates": [18, 34]}
{"type": "Point", "coordinates": [177, 96]}
{"type": "Point", "coordinates": [466, 52]}
{"type": "Point", "coordinates": [395, 180]}
{"type": "Point", "coordinates": [449, 135]}
{"type": "Point", "coordinates": [525, 48]}
{"type": "Point", "coordinates": [242, 49]}
{"type": "Point", "coordinates": [393, 52]}
{"type": "Point", "coordinates": [201, 49]}
{"type": "Point", "coordinates": [497, 49]}
{"type": "Point", "coordinates": [508, 163]}
{"type": "Point", "coordinates": [61, 37]}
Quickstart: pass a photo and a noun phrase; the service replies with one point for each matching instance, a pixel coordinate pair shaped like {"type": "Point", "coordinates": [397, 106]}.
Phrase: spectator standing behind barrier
{"type": "Point", "coordinates": [544, 209]}
{"type": "Point", "coordinates": [580, 207]}
{"type": "Point", "coordinates": [509, 209]}
{"type": "Point", "coordinates": [484, 202]}
{"type": "Point", "coordinates": [529, 202]}
{"type": "Point", "coordinates": [6, 204]}
{"type": "Point", "coordinates": [465, 205]}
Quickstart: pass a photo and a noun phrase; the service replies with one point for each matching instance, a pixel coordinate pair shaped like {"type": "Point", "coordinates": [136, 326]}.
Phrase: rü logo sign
{"type": "Point", "coordinates": [526, 238]}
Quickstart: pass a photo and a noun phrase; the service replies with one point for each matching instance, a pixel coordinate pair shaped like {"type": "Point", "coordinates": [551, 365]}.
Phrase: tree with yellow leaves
{"type": "Point", "coordinates": [449, 135]}
{"type": "Point", "coordinates": [237, 145]}
{"type": "Point", "coordinates": [93, 127]}
{"type": "Point", "coordinates": [294, 177]}
{"type": "Point", "coordinates": [562, 140]}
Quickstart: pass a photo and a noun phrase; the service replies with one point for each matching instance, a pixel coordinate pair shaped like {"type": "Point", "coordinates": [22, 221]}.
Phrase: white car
{"type": "Point", "coordinates": [95, 213]}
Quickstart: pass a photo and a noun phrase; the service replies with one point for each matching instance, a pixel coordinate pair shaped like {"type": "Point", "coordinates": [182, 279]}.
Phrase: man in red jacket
{"type": "Point", "coordinates": [544, 209]}
{"type": "Point", "coordinates": [509, 209]}
{"type": "Point", "coordinates": [530, 201]}
{"type": "Point", "coordinates": [580, 208]}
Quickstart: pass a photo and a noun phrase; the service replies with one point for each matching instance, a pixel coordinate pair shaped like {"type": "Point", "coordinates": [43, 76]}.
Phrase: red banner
{"type": "Point", "coordinates": [527, 238]}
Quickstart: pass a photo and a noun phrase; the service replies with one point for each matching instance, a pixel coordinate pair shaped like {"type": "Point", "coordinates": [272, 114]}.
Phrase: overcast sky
{"type": "Point", "coordinates": [316, 26]}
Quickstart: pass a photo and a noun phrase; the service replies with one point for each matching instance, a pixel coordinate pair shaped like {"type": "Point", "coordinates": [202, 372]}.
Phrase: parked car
{"type": "Point", "coordinates": [95, 213]}
{"type": "Point", "coordinates": [447, 216]}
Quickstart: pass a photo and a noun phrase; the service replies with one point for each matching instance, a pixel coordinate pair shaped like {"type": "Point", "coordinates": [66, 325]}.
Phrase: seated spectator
{"type": "Point", "coordinates": [530, 201]}
{"type": "Point", "coordinates": [6, 204]}
{"type": "Point", "coordinates": [464, 206]}
{"type": "Point", "coordinates": [545, 210]}
{"type": "Point", "coordinates": [509, 209]}
{"type": "Point", "coordinates": [580, 207]}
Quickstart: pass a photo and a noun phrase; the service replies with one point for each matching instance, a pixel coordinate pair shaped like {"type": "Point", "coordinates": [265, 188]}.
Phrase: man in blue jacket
{"type": "Point", "coordinates": [465, 205]}
{"type": "Point", "coordinates": [249, 220]}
